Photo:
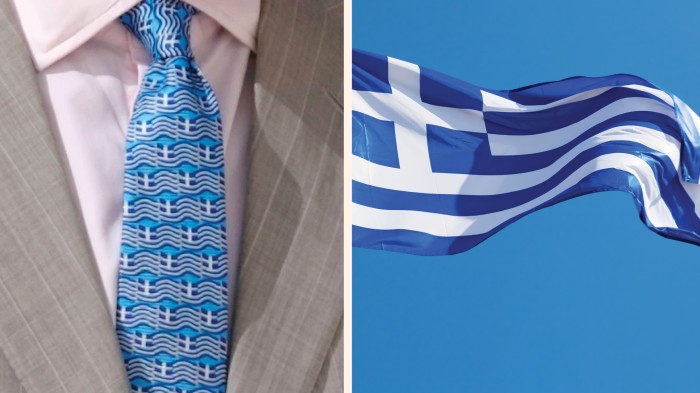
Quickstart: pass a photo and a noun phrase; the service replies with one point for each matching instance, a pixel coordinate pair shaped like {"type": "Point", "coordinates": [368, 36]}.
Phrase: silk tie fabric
{"type": "Point", "coordinates": [172, 305]}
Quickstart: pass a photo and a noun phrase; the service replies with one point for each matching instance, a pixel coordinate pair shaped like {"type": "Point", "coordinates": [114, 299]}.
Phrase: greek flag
{"type": "Point", "coordinates": [439, 165]}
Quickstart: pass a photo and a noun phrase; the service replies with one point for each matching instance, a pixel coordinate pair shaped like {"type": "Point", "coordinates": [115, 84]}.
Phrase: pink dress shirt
{"type": "Point", "coordinates": [89, 70]}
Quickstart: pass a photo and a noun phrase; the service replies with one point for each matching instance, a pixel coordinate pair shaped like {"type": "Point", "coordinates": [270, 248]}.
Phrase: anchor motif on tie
{"type": "Point", "coordinates": [173, 164]}
{"type": "Point", "coordinates": [168, 261]}
{"type": "Point", "coordinates": [121, 312]}
{"type": "Point", "coordinates": [188, 288]}
{"type": "Point", "coordinates": [189, 234]}
{"type": "Point", "coordinates": [141, 340]}
{"type": "Point", "coordinates": [206, 152]}
{"type": "Point", "coordinates": [164, 99]}
{"type": "Point", "coordinates": [186, 343]}
{"type": "Point", "coordinates": [209, 263]}
{"type": "Point", "coordinates": [146, 287]}
{"type": "Point", "coordinates": [146, 234]}
{"type": "Point", "coordinates": [186, 179]}
{"type": "Point", "coordinates": [145, 180]}
{"type": "Point", "coordinates": [208, 317]}
{"type": "Point", "coordinates": [186, 126]}
{"type": "Point", "coordinates": [207, 206]}
{"type": "Point", "coordinates": [125, 261]}
{"type": "Point", "coordinates": [181, 72]}
{"type": "Point", "coordinates": [141, 127]}
{"type": "Point", "coordinates": [163, 368]}
{"type": "Point", "coordinates": [166, 206]}
{"type": "Point", "coordinates": [206, 371]}
{"type": "Point", "coordinates": [167, 316]}
{"type": "Point", "coordinates": [165, 152]}
{"type": "Point", "coordinates": [144, 26]}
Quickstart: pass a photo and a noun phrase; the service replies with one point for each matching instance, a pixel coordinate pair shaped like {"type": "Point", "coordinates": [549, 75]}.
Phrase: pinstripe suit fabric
{"type": "Point", "coordinates": [287, 332]}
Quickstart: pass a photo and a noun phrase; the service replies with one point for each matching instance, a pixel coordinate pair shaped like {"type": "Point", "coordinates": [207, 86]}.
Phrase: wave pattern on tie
{"type": "Point", "coordinates": [440, 165]}
{"type": "Point", "coordinates": [172, 306]}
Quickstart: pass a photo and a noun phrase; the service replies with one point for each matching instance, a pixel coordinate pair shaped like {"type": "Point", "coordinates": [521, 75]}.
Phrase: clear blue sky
{"type": "Point", "coordinates": [579, 297]}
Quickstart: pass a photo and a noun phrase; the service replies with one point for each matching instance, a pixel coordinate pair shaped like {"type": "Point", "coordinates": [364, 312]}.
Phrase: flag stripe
{"type": "Point", "coordinates": [496, 103]}
{"type": "Point", "coordinates": [579, 114]}
{"type": "Point", "coordinates": [471, 205]}
{"type": "Point", "coordinates": [548, 92]}
{"type": "Point", "coordinates": [373, 104]}
{"type": "Point", "coordinates": [447, 225]}
{"type": "Point", "coordinates": [519, 145]}
{"type": "Point", "coordinates": [420, 243]}
{"type": "Point", "coordinates": [459, 152]}
{"type": "Point", "coordinates": [459, 173]}
{"type": "Point", "coordinates": [467, 205]}
{"type": "Point", "coordinates": [470, 184]}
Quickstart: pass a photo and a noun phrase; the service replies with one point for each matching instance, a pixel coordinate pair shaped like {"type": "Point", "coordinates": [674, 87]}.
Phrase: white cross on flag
{"type": "Point", "coordinates": [439, 165]}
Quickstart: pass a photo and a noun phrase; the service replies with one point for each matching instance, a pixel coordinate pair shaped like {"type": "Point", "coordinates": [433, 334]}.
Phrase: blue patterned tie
{"type": "Point", "coordinates": [172, 306]}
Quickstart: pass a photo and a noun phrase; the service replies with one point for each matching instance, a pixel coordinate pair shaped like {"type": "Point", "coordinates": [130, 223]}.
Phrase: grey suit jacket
{"type": "Point", "coordinates": [56, 334]}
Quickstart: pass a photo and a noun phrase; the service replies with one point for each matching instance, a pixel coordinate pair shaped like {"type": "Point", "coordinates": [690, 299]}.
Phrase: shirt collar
{"type": "Point", "coordinates": [55, 28]}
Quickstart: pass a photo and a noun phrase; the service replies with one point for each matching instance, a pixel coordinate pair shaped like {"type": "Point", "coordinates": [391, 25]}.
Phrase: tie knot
{"type": "Point", "coordinates": [163, 26]}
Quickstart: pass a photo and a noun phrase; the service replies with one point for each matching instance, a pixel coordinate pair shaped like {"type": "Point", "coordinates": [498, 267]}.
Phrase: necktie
{"type": "Point", "coordinates": [172, 305]}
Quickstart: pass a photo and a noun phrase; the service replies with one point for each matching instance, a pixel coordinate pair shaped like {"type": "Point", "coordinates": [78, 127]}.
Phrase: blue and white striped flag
{"type": "Point", "coordinates": [439, 165]}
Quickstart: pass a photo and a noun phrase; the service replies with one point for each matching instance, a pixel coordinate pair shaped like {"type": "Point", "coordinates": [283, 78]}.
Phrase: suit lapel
{"type": "Point", "coordinates": [289, 294]}
{"type": "Point", "coordinates": [55, 327]}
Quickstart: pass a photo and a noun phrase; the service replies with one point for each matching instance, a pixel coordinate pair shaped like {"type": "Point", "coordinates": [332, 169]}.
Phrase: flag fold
{"type": "Point", "coordinates": [439, 165]}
